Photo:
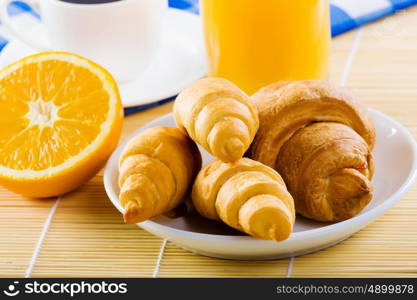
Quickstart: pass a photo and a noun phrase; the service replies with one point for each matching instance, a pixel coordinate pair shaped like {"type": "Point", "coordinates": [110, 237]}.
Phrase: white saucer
{"type": "Point", "coordinates": [395, 171]}
{"type": "Point", "coordinates": [179, 62]}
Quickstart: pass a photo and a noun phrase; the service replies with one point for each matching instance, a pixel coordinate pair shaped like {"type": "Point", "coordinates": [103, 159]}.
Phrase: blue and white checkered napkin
{"type": "Point", "coordinates": [350, 14]}
{"type": "Point", "coordinates": [345, 15]}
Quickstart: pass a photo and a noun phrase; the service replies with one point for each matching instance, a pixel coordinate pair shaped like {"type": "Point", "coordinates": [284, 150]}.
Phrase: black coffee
{"type": "Point", "coordinates": [89, 1]}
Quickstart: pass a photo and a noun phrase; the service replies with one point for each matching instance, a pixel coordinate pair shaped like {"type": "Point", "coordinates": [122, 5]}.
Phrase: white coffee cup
{"type": "Point", "coordinates": [122, 36]}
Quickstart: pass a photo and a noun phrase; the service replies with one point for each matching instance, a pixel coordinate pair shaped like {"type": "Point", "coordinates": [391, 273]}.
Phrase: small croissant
{"type": "Point", "coordinates": [219, 116]}
{"type": "Point", "coordinates": [156, 169]}
{"type": "Point", "coordinates": [247, 196]}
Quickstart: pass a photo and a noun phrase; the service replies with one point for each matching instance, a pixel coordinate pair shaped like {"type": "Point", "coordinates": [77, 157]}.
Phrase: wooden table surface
{"type": "Point", "coordinates": [82, 234]}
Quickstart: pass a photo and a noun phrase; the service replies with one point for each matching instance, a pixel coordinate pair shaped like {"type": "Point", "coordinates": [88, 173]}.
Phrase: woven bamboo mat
{"type": "Point", "coordinates": [81, 234]}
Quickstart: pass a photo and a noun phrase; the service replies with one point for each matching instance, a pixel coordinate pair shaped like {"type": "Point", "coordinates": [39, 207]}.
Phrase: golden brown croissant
{"type": "Point", "coordinates": [327, 168]}
{"type": "Point", "coordinates": [247, 196]}
{"type": "Point", "coordinates": [156, 169]}
{"type": "Point", "coordinates": [320, 140]}
{"type": "Point", "coordinates": [219, 116]}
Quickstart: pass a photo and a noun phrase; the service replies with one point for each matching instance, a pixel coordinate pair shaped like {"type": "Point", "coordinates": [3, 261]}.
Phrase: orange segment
{"type": "Point", "coordinates": [60, 119]}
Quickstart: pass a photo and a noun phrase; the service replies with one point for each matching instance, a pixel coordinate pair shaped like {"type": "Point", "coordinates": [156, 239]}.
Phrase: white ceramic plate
{"type": "Point", "coordinates": [179, 61]}
{"type": "Point", "coordinates": [395, 171]}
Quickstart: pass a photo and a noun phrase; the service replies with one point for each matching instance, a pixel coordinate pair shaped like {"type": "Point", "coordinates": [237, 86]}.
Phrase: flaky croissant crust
{"type": "Point", "coordinates": [247, 196]}
{"type": "Point", "coordinates": [285, 107]}
{"type": "Point", "coordinates": [319, 138]}
{"type": "Point", "coordinates": [328, 169]}
{"type": "Point", "coordinates": [156, 168]}
{"type": "Point", "coordinates": [217, 115]}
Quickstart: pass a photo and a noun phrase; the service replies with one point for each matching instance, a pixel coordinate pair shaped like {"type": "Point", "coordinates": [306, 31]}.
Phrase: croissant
{"type": "Point", "coordinates": [247, 196]}
{"type": "Point", "coordinates": [319, 138]}
{"type": "Point", "coordinates": [156, 169]}
{"type": "Point", "coordinates": [219, 116]}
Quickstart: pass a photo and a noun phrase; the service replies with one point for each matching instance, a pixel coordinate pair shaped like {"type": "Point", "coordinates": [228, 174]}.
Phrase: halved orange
{"type": "Point", "coordinates": [60, 119]}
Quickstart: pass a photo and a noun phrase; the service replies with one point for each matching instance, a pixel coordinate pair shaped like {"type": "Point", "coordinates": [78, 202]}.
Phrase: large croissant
{"type": "Point", "coordinates": [156, 169]}
{"type": "Point", "coordinates": [319, 138]}
{"type": "Point", "coordinates": [219, 116]}
{"type": "Point", "coordinates": [247, 196]}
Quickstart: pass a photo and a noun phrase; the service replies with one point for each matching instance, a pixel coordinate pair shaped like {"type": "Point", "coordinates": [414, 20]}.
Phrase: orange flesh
{"type": "Point", "coordinates": [49, 111]}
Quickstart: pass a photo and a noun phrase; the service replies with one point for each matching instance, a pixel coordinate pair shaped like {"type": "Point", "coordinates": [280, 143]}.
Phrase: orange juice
{"type": "Point", "coordinates": [255, 43]}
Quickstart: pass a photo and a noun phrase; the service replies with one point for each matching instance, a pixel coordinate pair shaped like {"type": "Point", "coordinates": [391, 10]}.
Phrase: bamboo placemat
{"type": "Point", "coordinates": [81, 234]}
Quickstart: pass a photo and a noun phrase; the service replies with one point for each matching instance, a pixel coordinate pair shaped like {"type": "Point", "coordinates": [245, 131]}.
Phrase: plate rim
{"type": "Point", "coordinates": [363, 219]}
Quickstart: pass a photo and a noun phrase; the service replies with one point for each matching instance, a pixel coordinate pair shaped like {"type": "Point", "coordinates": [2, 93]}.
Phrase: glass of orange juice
{"type": "Point", "coordinates": [255, 43]}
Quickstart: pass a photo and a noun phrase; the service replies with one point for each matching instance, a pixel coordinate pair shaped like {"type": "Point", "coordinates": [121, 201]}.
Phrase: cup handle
{"type": "Point", "coordinates": [15, 30]}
